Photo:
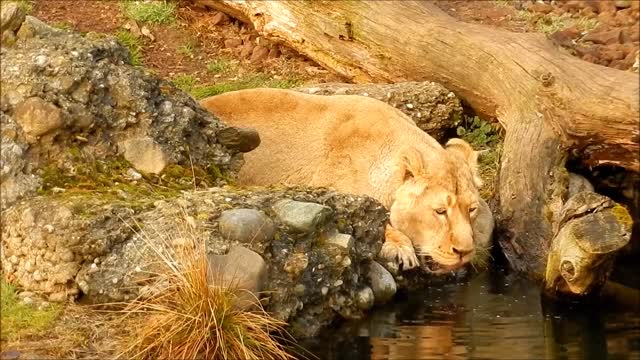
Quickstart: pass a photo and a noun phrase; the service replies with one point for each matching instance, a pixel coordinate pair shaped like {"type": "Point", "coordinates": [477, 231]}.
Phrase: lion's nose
{"type": "Point", "coordinates": [461, 251]}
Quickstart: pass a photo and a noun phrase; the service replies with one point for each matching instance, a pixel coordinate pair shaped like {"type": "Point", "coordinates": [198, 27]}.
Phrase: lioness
{"type": "Point", "coordinates": [360, 145]}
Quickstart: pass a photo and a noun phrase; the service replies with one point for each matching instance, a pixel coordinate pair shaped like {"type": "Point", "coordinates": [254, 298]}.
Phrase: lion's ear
{"type": "Point", "coordinates": [470, 156]}
{"type": "Point", "coordinates": [413, 163]}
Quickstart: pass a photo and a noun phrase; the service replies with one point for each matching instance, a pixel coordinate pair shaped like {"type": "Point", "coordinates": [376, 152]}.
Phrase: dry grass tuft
{"type": "Point", "coordinates": [191, 319]}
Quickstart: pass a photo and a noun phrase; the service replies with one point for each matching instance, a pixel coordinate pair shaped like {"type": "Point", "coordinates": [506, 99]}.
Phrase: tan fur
{"type": "Point", "coordinates": [359, 145]}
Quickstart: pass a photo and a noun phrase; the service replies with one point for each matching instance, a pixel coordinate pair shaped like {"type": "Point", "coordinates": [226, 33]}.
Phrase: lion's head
{"type": "Point", "coordinates": [436, 207]}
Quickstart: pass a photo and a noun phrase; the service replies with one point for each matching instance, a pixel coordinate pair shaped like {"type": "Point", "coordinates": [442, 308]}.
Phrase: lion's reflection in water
{"type": "Point", "coordinates": [493, 316]}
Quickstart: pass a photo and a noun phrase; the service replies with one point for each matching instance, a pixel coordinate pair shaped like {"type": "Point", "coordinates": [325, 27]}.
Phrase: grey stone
{"type": "Point", "coordinates": [344, 241]}
{"type": "Point", "coordinates": [382, 283]}
{"type": "Point", "coordinates": [578, 183]}
{"type": "Point", "coordinates": [38, 117]}
{"type": "Point", "coordinates": [8, 38]}
{"type": "Point", "coordinates": [246, 225]}
{"type": "Point", "coordinates": [301, 216]}
{"type": "Point", "coordinates": [145, 154]}
{"type": "Point", "coordinates": [365, 298]}
{"type": "Point", "coordinates": [11, 17]}
{"type": "Point", "coordinates": [241, 139]}
{"type": "Point", "coordinates": [240, 268]}
{"type": "Point", "coordinates": [34, 27]}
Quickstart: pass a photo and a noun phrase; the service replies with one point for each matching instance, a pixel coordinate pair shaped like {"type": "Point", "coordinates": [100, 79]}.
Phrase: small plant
{"type": "Point", "coordinates": [19, 319]}
{"type": "Point", "coordinates": [153, 12]}
{"type": "Point", "coordinates": [194, 316]}
{"type": "Point", "coordinates": [186, 49]}
{"type": "Point", "coordinates": [64, 25]}
{"type": "Point", "coordinates": [221, 66]}
{"type": "Point", "coordinates": [485, 138]}
{"type": "Point", "coordinates": [184, 82]}
{"type": "Point", "coordinates": [133, 44]}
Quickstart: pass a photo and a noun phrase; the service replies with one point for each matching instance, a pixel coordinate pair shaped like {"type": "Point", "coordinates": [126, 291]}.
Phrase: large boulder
{"type": "Point", "coordinates": [69, 100]}
{"type": "Point", "coordinates": [95, 245]}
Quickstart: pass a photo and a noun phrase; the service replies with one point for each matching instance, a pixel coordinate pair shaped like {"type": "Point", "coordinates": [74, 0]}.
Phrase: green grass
{"type": "Point", "coordinates": [21, 320]}
{"type": "Point", "coordinates": [222, 66]}
{"type": "Point", "coordinates": [132, 43]}
{"type": "Point", "coordinates": [253, 81]}
{"type": "Point", "coordinates": [184, 82]}
{"type": "Point", "coordinates": [186, 49]}
{"type": "Point", "coordinates": [155, 12]}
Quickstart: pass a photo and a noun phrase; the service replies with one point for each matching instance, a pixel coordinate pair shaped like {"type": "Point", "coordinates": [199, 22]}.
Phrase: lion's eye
{"type": "Point", "coordinates": [441, 211]}
{"type": "Point", "coordinates": [473, 209]}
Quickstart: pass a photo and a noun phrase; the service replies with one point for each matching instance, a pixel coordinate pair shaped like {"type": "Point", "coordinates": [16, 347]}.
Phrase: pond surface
{"type": "Point", "coordinates": [491, 316]}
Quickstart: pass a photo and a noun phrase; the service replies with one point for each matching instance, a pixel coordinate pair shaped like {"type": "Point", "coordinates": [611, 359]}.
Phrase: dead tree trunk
{"type": "Point", "coordinates": [549, 102]}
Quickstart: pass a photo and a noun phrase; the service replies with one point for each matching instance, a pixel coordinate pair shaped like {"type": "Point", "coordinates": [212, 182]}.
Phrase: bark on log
{"type": "Point", "coordinates": [549, 102]}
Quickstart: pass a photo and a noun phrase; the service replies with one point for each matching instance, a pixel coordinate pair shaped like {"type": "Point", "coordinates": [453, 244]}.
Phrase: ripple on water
{"type": "Point", "coordinates": [493, 316]}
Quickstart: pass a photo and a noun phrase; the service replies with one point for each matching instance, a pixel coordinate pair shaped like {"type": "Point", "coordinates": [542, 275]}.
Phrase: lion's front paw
{"type": "Point", "coordinates": [405, 255]}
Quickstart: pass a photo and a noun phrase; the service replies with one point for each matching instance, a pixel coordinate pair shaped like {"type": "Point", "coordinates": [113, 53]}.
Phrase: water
{"type": "Point", "coordinates": [491, 316]}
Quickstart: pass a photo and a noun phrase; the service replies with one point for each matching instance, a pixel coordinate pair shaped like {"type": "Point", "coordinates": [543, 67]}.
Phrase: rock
{"type": "Point", "coordinates": [301, 216]}
{"type": "Point", "coordinates": [541, 8]}
{"type": "Point", "coordinates": [578, 183]}
{"type": "Point", "coordinates": [10, 355]}
{"type": "Point", "coordinates": [103, 103]}
{"type": "Point", "coordinates": [144, 154]}
{"type": "Point", "coordinates": [622, 4]}
{"type": "Point", "coordinates": [8, 38]}
{"type": "Point", "coordinates": [344, 241]}
{"type": "Point", "coordinates": [246, 225]}
{"type": "Point", "coordinates": [11, 17]}
{"type": "Point", "coordinates": [382, 283]}
{"type": "Point", "coordinates": [604, 37]}
{"type": "Point", "coordinates": [636, 64]}
{"type": "Point", "coordinates": [565, 37]}
{"type": "Point", "coordinates": [274, 53]}
{"type": "Point", "coordinates": [240, 268]}
{"type": "Point", "coordinates": [240, 139]}
{"type": "Point", "coordinates": [133, 174]}
{"type": "Point", "coordinates": [220, 18]}
{"type": "Point", "coordinates": [232, 43]}
{"type": "Point", "coordinates": [33, 27]}
{"type": "Point", "coordinates": [259, 54]}
{"type": "Point", "coordinates": [365, 298]}
{"type": "Point", "coordinates": [247, 49]}
{"type": "Point", "coordinates": [37, 117]}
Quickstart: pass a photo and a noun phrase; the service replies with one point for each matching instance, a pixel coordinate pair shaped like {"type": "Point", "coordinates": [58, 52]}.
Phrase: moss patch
{"type": "Point", "coordinates": [107, 182]}
{"type": "Point", "coordinates": [486, 138]}
{"type": "Point", "coordinates": [20, 320]}
{"type": "Point", "coordinates": [622, 215]}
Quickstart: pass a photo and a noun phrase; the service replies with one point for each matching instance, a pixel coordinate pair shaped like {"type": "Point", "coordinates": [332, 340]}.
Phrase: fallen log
{"type": "Point", "coordinates": [550, 103]}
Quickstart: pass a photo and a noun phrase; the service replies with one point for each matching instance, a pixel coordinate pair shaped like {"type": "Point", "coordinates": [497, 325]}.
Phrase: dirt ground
{"type": "Point", "coordinates": [205, 48]}
{"type": "Point", "coordinates": [188, 45]}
